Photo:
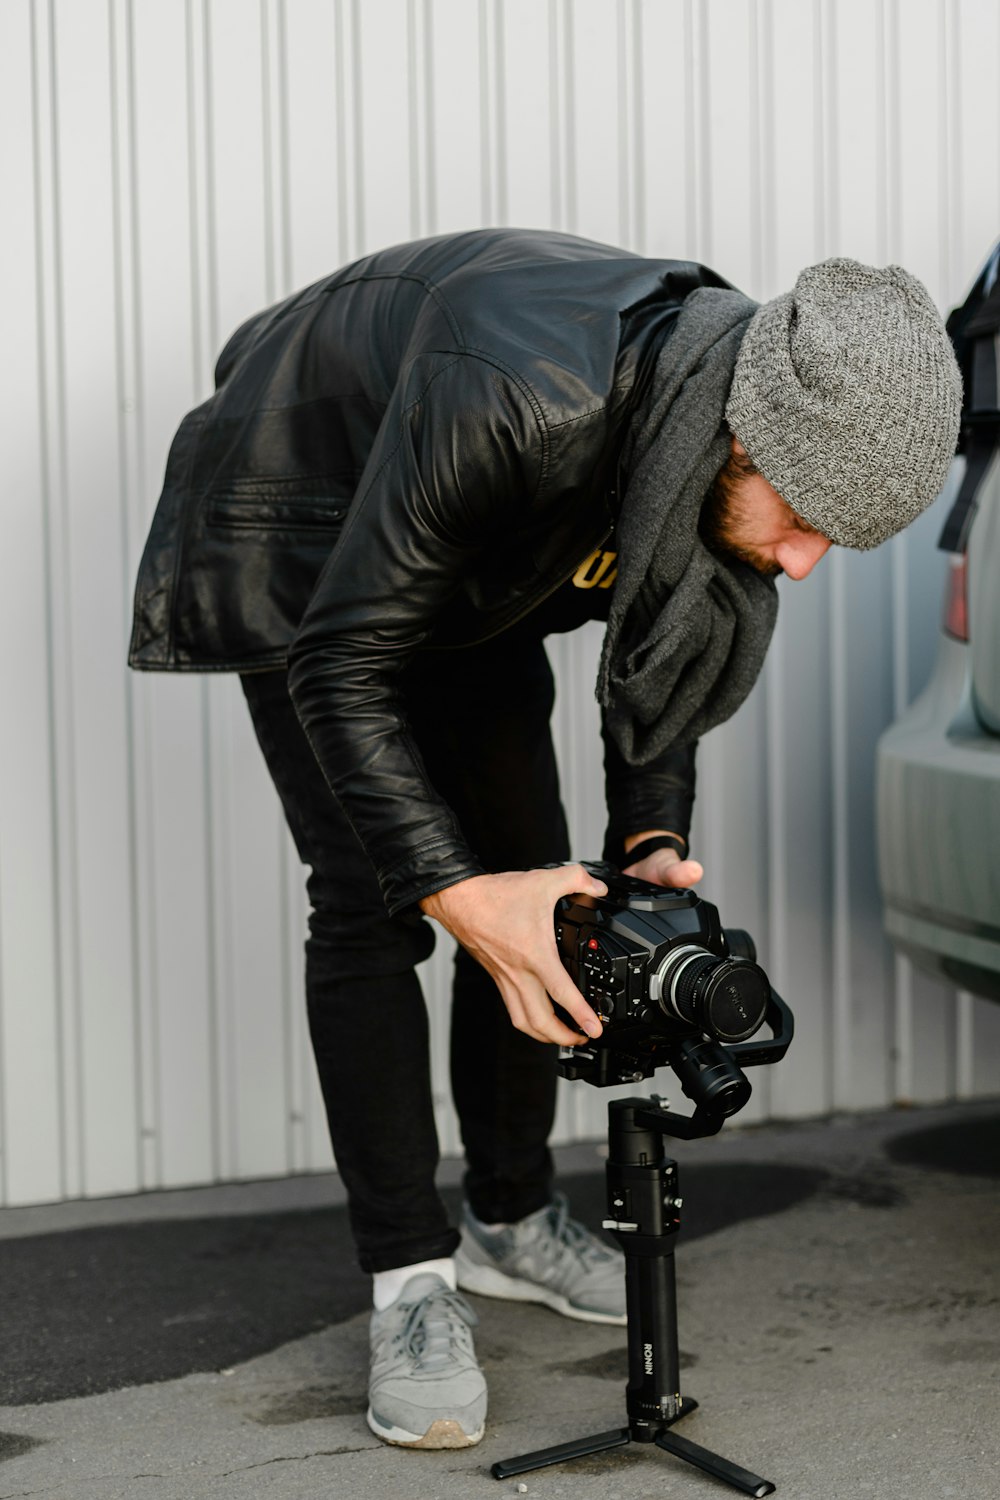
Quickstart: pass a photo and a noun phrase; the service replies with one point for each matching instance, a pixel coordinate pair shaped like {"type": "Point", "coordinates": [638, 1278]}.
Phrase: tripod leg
{"type": "Point", "coordinates": [579, 1448]}
{"type": "Point", "coordinates": [712, 1463]}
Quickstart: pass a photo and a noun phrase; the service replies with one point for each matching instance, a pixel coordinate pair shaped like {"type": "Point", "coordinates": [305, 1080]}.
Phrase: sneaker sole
{"type": "Point", "coordinates": [445, 1433]}
{"type": "Point", "coordinates": [487, 1281]}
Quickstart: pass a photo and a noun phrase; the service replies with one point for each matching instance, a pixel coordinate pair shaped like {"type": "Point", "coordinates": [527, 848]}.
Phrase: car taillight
{"type": "Point", "coordinates": [956, 599]}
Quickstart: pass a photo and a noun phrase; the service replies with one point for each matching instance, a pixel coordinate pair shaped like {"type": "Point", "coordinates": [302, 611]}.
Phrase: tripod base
{"type": "Point", "coordinates": [619, 1437]}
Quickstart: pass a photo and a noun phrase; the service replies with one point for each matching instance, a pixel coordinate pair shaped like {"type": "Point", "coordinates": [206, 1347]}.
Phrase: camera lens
{"type": "Point", "coordinates": [723, 997]}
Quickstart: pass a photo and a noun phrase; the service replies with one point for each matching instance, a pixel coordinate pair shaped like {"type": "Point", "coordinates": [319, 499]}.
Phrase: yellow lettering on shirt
{"type": "Point", "coordinates": [599, 570]}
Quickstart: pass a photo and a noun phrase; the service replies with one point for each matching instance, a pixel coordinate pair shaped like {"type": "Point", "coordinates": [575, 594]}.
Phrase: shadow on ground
{"type": "Point", "coordinates": [969, 1147]}
{"type": "Point", "coordinates": [91, 1310]}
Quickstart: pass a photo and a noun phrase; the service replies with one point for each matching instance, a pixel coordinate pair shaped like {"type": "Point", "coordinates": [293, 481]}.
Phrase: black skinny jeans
{"type": "Point", "coordinates": [481, 720]}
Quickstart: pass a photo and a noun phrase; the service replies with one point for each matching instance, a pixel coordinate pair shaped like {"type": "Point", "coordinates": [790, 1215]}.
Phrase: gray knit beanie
{"type": "Point", "coordinates": [847, 396]}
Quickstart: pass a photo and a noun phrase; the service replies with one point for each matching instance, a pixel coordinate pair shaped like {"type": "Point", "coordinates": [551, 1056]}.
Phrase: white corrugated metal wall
{"type": "Point", "coordinates": [168, 168]}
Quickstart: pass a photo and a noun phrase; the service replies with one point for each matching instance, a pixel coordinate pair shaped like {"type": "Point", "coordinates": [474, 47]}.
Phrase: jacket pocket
{"type": "Point", "coordinates": [304, 505]}
{"type": "Point", "coordinates": [299, 513]}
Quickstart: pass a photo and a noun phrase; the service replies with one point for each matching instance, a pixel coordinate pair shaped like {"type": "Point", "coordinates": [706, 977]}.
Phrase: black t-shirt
{"type": "Point", "coordinates": [585, 596]}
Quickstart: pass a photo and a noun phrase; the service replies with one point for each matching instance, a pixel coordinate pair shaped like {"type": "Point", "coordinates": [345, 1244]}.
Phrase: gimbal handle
{"type": "Point", "coordinates": [707, 1120]}
{"type": "Point", "coordinates": [782, 1024]}
{"type": "Point", "coordinates": [684, 1127]}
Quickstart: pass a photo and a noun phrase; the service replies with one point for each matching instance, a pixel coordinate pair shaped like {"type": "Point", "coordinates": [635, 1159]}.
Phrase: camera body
{"type": "Point", "coordinates": [672, 987]}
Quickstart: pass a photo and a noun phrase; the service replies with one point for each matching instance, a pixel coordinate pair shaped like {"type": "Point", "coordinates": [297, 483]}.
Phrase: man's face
{"type": "Point", "coordinates": [746, 518]}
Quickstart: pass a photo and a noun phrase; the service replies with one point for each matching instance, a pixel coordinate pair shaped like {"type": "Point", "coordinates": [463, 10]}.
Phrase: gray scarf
{"type": "Point", "coordinates": [687, 629]}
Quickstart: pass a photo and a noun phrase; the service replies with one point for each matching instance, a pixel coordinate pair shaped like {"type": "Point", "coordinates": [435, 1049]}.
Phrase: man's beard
{"type": "Point", "coordinates": [724, 516]}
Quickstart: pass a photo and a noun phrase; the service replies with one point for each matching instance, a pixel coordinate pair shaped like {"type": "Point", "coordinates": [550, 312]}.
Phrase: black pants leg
{"type": "Point", "coordinates": [480, 718]}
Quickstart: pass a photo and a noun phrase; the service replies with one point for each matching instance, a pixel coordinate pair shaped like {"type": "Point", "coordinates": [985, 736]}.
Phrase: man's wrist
{"type": "Point", "coordinates": [435, 903]}
{"type": "Point", "coordinates": [639, 845]}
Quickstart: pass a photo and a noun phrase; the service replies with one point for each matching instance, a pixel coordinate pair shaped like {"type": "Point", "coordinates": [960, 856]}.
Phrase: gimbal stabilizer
{"type": "Point", "coordinates": [644, 1217]}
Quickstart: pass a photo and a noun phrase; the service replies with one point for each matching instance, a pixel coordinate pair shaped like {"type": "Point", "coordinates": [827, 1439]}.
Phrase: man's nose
{"type": "Point", "coordinates": [798, 557]}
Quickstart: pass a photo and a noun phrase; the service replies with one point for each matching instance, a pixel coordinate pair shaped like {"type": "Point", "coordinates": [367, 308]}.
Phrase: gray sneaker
{"type": "Point", "coordinates": [426, 1389]}
{"type": "Point", "coordinates": [547, 1257]}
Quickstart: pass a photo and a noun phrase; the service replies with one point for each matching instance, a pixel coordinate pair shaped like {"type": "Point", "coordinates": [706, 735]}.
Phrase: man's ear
{"type": "Point", "coordinates": [737, 447]}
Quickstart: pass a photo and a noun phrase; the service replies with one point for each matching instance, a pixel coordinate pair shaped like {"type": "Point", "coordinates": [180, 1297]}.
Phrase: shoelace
{"type": "Point", "coordinates": [428, 1330]}
{"type": "Point", "coordinates": [572, 1236]}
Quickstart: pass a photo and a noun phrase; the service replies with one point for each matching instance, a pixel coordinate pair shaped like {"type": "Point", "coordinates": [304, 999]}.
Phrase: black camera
{"type": "Point", "coordinates": [672, 987]}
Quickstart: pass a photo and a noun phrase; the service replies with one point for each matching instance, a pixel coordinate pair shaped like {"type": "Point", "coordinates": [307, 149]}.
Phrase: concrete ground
{"type": "Point", "coordinates": [847, 1345]}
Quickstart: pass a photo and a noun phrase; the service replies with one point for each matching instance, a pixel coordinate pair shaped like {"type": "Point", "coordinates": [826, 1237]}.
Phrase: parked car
{"type": "Point", "coordinates": [938, 786]}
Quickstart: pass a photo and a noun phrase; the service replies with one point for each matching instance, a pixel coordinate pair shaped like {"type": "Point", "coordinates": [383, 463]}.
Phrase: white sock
{"type": "Point", "coordinates": [387, 1285]}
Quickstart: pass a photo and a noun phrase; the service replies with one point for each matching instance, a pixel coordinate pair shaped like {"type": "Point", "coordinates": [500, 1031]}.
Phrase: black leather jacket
{"type": "Point", "coordinates": [409, 455]}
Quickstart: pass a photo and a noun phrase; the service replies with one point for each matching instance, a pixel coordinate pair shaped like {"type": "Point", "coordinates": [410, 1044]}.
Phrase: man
{"type": "Point", "coordinates": [409, 475]}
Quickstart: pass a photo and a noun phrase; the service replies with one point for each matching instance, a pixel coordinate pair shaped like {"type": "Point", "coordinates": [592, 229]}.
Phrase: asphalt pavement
{"type": "Point", "coordinates": [839, 1306]}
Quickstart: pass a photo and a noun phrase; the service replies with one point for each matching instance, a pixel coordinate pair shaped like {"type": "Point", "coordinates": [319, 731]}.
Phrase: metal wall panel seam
{"type": "Point", "coordinates": [819, 129]}
{"type": "Point", "coordinates": [560, 117]}
{"type": "Point", "coordinates": [155, 935]}
{"type": "Point", "coordinates": [701, 132]}
{"type": "Point", "coordinates": [487, 88]}
{"type": "Point", "coordinates": [436, 976]}
{"type": "Point", "coordinates": [965, 1045]}
{"type": "Point", "coordinates": [344, 80]}
{"type": "Point", "coordinates": [903, 1048]}
{"type": "Point", "coordinates": [755, 132]}
{"type": "Point", "coordinates": [841, 986]}
{"type": "Point", "coordinates": [826, 158]}
{"type": "Point", "coordinates": [297, 1077]}
{"type": "Point", "coordinates": [277, 261]}
{"type": "Point", "coordinates": [950, 139]}
{"type": "Point", "coordinates": [494, 59]}
{"type": "Point", "coordinates": [157, 924]}
{"type": "Point", "coordinates": [888, 208]}
{"type": "Point", "coordinates": [888, 218]}
{"type": "Point", "coordinates": [764, 215]}
{"type": "Point", "coordinates": [204, 320]}
{"type": "Point", "coordinates": [693, 174]}
{"type": "Point", "coordinates": [776, 958]}
{"type": "Point", "coordinates": [274, 112]}
{"type": "Point", "coordinates": [224, 1113]}
{"type": "Point", "coordinates": [640, 229]}
{"type": "Point", "coordinates": [360, 238]}
{"type": "Point", "coordinates": [147, 869]}
{"type": "Point", "coordinates": [827, 235]}
{"type": "Point", "coordinates": [59, 677]}
{"type": "Point", "coordinates": [570, 182]}
{"type": "Point", "coordinates": [291, 940]}
{"type": "Point", "coordinates": [249, 1028]}
{"type": "Point", "coordinates": [420, 95]}
{"type": "Point", "coordinates": [131, 446]}
{"type": "Point", "coordinates": [629, 118]}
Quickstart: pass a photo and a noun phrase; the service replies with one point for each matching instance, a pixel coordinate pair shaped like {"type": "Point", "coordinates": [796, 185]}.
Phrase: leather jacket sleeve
{"type": "Point", "coordinates": [657, 795]}
{"type": "Point", "coordinates": [459, 458]}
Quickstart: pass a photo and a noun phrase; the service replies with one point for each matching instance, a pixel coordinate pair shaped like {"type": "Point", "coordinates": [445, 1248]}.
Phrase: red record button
{"type": "Point", "coordinates": [593, 943]}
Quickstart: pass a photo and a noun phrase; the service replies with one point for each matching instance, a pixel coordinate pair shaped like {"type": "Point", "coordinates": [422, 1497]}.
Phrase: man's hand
{"type": "Point", "coordinates": [665, 867]}
{"type": "Point", "coordinates": [507, 923]}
